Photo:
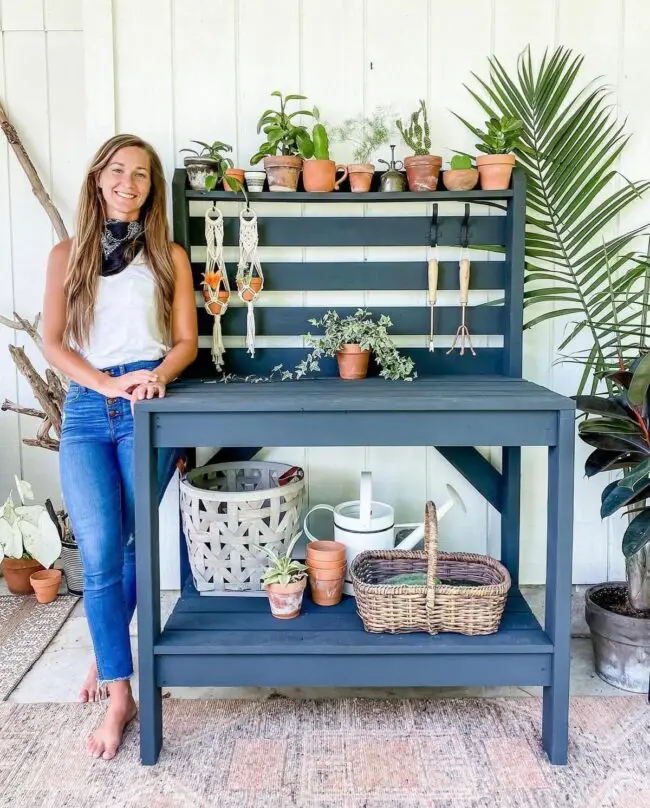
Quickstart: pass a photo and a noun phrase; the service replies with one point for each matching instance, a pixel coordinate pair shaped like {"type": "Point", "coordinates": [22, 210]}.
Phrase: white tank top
{"type": "Point", "coordinates": [125, 327]}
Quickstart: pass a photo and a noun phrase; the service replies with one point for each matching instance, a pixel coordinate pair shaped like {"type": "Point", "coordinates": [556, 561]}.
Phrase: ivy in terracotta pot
{"type": "Point", "coordinates": [351, 339]}
{"type": "Point", "coordinates": [284, 580]}
{"type": "Point", "coordinates": [281, 149]}
{"type": "Point", "coordinates": [422, 168]}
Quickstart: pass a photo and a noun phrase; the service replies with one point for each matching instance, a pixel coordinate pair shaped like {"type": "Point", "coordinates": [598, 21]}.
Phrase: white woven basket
{"type": "Point", "coordinates": [226, 509]}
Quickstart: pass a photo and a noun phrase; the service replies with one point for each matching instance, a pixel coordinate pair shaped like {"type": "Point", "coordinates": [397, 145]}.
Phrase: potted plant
{"type": "Point", "coordinates": [461, 176]}
{"type": "Point", "coordinates": [618, 613]}
{"type": "Point", "coordinates": [281, 149]}
{"type": "Point", "coordinates": [70, 555]}
{"type": "Point", "coordinates": [284, 581]}
{"type": "Point", "coordinates": [422, 168]}
{"type": "Point", "coordinates": [318, 171]}
{"type": "Point", "coordinates": [29, 540]}
{"type": "Point", "coordinates": [209, 166]}
{"type": "Point", "coordinates": [367, 134]}
{"type": "Point", "coordinates": [351, 339]}
{"type": "Point", "coordinates": [502, 136]}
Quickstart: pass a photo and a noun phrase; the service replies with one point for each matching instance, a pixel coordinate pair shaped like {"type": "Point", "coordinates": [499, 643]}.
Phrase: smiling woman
{"type": "Point", "coordinates": [120, 321]}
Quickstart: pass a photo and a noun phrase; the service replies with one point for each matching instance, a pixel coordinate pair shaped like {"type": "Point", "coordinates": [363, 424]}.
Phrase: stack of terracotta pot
{"type": "Point", "coordinates": [326, 567]}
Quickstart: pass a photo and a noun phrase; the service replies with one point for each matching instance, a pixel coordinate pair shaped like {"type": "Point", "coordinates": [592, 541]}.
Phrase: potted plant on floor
{"type": "Point", "coordinates": [498, 143]}
{"type": "Point", "coordinates": [284, 580]}
{"type": "Point", "coordinates": [618, 614]}
{"type": "Point", "coordinates": [367, 134]}
{"type": "Point", "coordinates": [461, 176]}
{"type": "Point", "coordinates": [318, 171]}
{"type": "Point", "coordinates": [209, 166]}
{"type": "Point", "coordinates": [281, 149]}
{"type": "Point", "coordinates": [29, 540]}
{"type": "Point", "coordinates": [422, 168]}
{"type": "Point", "coordinates": [351, 340]}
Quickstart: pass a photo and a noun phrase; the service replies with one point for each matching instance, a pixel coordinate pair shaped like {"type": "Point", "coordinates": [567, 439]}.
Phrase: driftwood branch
{"type": "Point", "coordinates": [32, 175]}
{"type": "Point", "coordinates": [50, 400]}
{"type": "Point", "coordinates": [42, 443]}
{"type": "Point", "coordinates": [10, 406]}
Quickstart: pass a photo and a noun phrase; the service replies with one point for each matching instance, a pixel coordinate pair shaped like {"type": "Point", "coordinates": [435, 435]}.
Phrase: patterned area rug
{"type": "Point", "coordinates": [27, 627]}
{"type": "Point", "coordinates": [470, 753]}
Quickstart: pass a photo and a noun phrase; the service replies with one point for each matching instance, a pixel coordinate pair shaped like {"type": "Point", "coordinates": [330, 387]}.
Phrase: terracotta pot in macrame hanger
{"type": "Point", "coordinates": [250, 278]}
{"type": "Point", "coordinates": [216, 289]}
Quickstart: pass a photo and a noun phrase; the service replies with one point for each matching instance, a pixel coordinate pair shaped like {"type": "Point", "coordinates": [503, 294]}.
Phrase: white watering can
{"type": "Point", "coordinates": [365, 524]}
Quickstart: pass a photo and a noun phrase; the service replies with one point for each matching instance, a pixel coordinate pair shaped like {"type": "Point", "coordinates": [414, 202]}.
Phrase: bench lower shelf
{"type": "Point", "coordinates": [234, 641]}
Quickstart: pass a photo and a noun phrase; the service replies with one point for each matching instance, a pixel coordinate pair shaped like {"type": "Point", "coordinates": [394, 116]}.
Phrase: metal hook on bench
{"type": "Point", "coordinates": [433, 232]}
{"type": "Point", "coordinates": [464, 229]}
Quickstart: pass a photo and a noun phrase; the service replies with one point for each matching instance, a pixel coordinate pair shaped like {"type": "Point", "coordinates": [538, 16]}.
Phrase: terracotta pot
{"type": "Point", "coordinates": [460, 179]}
{"type": "Point", "coordinates": [422, 171]}
{"type": "Point", "coordinates": [256, 285]}
{"type": "Point", "coordinates": [352, 362]}
{"type": "Point", "coordinates": [17, 572]}
{"type": "Point", "coordinates": [326, 591]}
{"type": "Point", "coordinates": [495, 171]}
{"type": "Point", "coordinates": [214, 308]}
{"type": "Point", "coordinates": [237, 173]}
{"type": "Point", "coordinates": [286, 601]}
{"type": "Point", "coordinates": [326, 550]}
{"type": "Point", "coordinates": [326, 564]}
{"type": "Point", "coordinates": [46, 584]}
{"type": "Point", "coordinates": [282, 172]}
{"type": "Point", "coordinates": [199, 169]}
{"type": "Point", "coordinates": [319, 176]}
{"type": "Point", "coordinates": [361, 175]}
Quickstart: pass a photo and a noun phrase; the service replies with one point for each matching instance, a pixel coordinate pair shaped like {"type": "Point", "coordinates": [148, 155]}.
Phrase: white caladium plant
{"type": "Point", "coordinates": [28, 529]}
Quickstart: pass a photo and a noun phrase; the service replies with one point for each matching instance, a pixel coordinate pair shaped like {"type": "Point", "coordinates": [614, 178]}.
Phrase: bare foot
{"type": "Point", "coordinates": [89, 690]}
{"type": "Point", "coordinates": [106, 739]}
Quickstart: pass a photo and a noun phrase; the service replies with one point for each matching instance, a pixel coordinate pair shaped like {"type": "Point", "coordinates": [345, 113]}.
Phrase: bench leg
{"type": "Point", "coordinates": [555, 714]}
{"type": "Point", "coordinates": [510, 510]}
{"type": "Point", "coordinates": [148, 588]}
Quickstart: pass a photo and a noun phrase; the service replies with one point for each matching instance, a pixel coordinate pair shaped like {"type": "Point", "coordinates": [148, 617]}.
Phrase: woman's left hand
{"type": "Point", "coordinates": [149, 390]}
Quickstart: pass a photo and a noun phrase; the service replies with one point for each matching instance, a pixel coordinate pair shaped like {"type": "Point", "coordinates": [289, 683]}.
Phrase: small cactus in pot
{"type": "Point", "coordinates": [461, 176]}
{"type": "Point", "coordinates": [422, 168]}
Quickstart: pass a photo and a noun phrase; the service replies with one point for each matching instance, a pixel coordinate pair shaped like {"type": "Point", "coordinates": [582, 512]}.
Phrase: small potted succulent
{"type": "Point", "coordinates": [29, 541]}
{"type": "Point", "coordinates": [284, 580]}
{"type": "Point", "coordinates": [461, 176]}
{"type": "Point", "coordinates": [352, 339]}
{"type": "Point", "coordinates": [422, 168]}
{"type": "Point", "coordinates": [498, 143]}
{"type": "Point", "coordinates": [318, 171]}
{"type": "Point", "coordinates": [209, 166]}
{"type": "Point", "coordinates": [281, 149]}
{"type": "Point", "coordinates": [367, 134]}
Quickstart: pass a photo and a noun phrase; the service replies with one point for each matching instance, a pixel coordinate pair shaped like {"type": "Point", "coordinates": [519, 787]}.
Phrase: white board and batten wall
{"type": "Point", "coordinates": [74, 72]}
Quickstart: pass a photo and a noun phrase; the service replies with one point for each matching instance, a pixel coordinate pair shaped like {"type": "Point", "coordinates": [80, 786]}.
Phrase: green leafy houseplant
{"type": "Point", "coordinates": [416, 135]}
{"type": "Point", "coordinates": [359, 329]}
{"type": "Point", "coordinates": [214, 152]}
{"type": "Point", "coordinates": [570, 144]}
{"type": "Point", "coordinates": [317, 145]}
{"type": "Point", "coordinates": [502, 136]}
{"type": "Point", "coordinates": [283, 134]}
{"type": "Point", "coordinates": [367, 133]}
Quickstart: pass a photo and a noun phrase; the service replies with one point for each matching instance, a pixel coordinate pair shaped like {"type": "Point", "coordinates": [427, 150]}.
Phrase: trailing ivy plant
{"type": "Point", "coordinates": [283, 134]}
{"type": "Point", "coordinates": [360, 329]}
{"type": "Point", "coordinates": [571, 142]}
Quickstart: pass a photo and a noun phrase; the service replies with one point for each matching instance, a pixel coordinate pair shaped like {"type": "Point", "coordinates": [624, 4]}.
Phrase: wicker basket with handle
{"type": "Point", "coordinates": [436, 606]}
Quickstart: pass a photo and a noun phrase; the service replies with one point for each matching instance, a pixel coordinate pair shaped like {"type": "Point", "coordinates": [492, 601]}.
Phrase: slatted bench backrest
{"type": "Point", "coordinates": [290, 321]}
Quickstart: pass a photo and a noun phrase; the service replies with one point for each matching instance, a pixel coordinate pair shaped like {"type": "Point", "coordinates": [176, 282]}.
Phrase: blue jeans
{"type": "Point", "coordinates": [97, 482]}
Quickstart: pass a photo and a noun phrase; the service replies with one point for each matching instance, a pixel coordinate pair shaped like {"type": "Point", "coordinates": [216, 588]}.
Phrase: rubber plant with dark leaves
{"type": "Point", "coordinates": [618, 427]}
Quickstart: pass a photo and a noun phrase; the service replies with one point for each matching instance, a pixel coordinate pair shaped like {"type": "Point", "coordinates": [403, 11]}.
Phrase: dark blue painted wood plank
{"type": "Point", "coordinates": [364, 275]}
{"type": "Point", "coordinates": [476, 470]}
{"type": "Point", "coordinates": [511, 510]}
{"type": "Point", "coordinates": [358, 231]}
{"type": "Point", "coordinates": [313, 670]}
{"type": "Point", "coordinates": [514, 289]}
{"type": "Point", "coordinates": [407, 320]}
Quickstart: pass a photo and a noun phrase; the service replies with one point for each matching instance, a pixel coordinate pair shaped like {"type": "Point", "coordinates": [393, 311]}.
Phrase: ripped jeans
{"type": "Point", "coordinates": [97, 482]}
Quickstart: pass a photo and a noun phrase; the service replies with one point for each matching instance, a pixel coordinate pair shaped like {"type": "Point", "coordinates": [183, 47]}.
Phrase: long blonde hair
{"type": "Point", "coordinates": [85, 263]}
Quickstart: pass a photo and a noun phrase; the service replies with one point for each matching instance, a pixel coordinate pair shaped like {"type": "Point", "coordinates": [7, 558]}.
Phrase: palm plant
{"type": "Point", "coordinates": [571, 142]}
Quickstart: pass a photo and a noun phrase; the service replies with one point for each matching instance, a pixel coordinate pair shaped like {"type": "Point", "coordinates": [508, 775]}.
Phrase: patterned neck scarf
{"type": "Point", "coordinates": [121, 242]}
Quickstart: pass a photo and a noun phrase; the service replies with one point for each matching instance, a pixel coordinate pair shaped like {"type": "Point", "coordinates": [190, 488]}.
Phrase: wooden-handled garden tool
{"type": "Point", "coordinates": [462, 335]}
{"type": "Point", "coordinates": [433, 296]}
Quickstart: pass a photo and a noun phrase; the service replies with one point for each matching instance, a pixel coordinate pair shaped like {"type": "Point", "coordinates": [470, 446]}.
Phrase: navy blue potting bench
{"type": "Point", "coordinates": [457, 403]}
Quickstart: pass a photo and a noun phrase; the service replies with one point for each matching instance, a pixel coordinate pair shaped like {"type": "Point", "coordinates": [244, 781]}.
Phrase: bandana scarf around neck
{"type": "Point", "coordinates": [121, 242]}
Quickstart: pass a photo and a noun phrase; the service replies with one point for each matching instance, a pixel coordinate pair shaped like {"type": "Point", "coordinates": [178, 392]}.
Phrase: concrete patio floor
{"type": "Point", "coordinates": [57, 675]}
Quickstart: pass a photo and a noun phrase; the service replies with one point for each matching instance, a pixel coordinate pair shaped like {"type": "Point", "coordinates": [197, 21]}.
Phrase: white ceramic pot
{"type": "Point", "coordinates": [255, 180]}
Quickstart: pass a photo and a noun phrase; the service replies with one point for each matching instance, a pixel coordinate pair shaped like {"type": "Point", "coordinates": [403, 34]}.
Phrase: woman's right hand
{"type": "Point", "coordinates": [121, 386]}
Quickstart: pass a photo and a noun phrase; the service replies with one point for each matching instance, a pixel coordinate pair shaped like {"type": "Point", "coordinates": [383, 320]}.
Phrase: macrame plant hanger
{"type": "Point", "coordinates": [216, 289]}
{"type": "Point", "coordinates": [250, 278]}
